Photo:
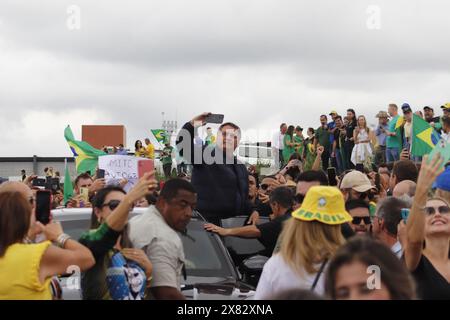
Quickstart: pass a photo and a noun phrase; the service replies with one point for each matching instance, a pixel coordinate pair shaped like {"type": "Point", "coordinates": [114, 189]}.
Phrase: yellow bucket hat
{"type": "Point", "coordinates": [323, 204]}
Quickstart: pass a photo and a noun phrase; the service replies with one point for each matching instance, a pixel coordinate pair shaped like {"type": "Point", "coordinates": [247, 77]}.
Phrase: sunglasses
{"type": "Point", "coordinates": [357, 220]}
{"type": "Point", "coordinates": [299, 197]}
{"type": "Point", "coordinates": [113, 204]}
{"type": "Point", "coordinates": [441, 209]}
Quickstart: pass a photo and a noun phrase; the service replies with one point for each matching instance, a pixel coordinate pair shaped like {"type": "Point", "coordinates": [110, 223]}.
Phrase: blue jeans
{"type": "Point", "coordinates": [340, 163]}
{"type": "Point", "coordinates": [392, 154]}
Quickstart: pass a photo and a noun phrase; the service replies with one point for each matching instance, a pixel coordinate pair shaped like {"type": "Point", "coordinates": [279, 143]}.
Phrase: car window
{"type": "Point", "coordinates": [75, 228]}
{"type": "Point", "coordinates": [242, 246]}
{"type": "Point", "coordinates": [204, 256]}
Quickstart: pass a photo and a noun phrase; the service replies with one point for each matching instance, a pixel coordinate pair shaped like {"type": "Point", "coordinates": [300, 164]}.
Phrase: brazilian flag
{"type": "Point", "coordinates": [160, 135]}
{"type": "Point", "coordinates": [86, 156]}
{"type": "Point", "coordinates": [424, 137]}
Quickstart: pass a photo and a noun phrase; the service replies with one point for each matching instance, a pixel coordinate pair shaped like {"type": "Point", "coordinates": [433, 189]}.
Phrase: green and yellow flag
{"type": "Point", "coordinates": [86, 156]}
{"type": "Point", "coordinates": [68, 186]}
{"type": "Point", "coordinates": [424, 137]}
{"type": "Point", "coordinates": [160, 135]}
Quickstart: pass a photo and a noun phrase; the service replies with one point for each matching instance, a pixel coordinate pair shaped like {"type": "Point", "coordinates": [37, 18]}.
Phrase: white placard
{"type": "Point", "coordinates": [119, 167]}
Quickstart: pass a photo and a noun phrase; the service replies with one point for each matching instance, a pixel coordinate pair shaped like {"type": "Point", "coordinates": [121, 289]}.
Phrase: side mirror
{"type": "Point", "coordinates": [252, 268]}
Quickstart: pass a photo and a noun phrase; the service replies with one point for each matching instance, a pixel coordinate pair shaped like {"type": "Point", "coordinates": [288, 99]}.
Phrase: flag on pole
{"type": "Point", "coordinates": [160, 135]}
{"type": "Point", "coordinates": [86, 156]}
{"type": "Point", "coordinates": [424, 137]}
{"type": "Point", "coordinates": [68, 186]}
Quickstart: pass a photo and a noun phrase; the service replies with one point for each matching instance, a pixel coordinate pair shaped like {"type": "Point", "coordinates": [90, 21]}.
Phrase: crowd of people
{"type": "Point", "coordinates": [377, 229]}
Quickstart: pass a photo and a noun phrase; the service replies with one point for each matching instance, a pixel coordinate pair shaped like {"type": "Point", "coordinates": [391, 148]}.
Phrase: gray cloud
{"type": "Point", "coordinates": [259, 62]}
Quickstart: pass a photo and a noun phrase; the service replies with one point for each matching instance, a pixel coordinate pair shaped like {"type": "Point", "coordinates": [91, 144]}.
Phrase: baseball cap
{"type": "Point", "coordinates": [443, 180]}
{"type": "Point", "coordinates": [333, 112]}
{"type": "Point", "coordinates": [357, 181]}
{"type": "Point", "coordinates": [428, 108]}
{"type": "Point", "coordinates": [446, 106]}
{"type": "Point", "coordinates": [406, 108]}
{"type": "Point", "coordinates": [298, 128]}
{"type": "Point", "coordinates": [323, 204]}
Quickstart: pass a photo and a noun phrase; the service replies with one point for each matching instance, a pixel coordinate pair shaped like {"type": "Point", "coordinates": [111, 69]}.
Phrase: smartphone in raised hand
{"type": "Point", "coordinates": [43, 206]}
{"type": "Point", "coordinates": [215, 118]}
{"type": "Point", "coordinates": [443, 148]}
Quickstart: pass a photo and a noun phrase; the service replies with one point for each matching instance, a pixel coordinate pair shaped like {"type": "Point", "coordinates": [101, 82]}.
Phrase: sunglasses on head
{"type": "Point", "coordinates": [113, 204]}
{"type": "Point", "coordinates": [357, 220]}
{"type": "Point", "coordinates": [441, 209]}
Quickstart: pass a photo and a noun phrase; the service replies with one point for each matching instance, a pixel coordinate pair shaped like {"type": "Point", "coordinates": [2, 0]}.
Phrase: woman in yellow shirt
{"type": "Point", "coordinates": [26, 269]}
{"type": "Point", "coordinates": [139, 150]}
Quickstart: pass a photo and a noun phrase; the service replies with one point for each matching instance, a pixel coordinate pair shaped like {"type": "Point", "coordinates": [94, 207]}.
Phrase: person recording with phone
{"type": "Point", "coordinates": [26, 266]}
{"type": "Point", "coordinates": [219, 178]}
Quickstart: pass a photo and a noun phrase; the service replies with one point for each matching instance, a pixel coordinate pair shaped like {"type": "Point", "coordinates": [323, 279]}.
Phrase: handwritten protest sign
{"type": "Point", "coordinates": [119, 167]}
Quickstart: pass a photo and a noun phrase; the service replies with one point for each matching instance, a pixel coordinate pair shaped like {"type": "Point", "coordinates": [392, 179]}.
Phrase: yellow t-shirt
{"type": "Point", "coordinates": [19, 273]}
{"type": "Point", "coordinates": [150, 151]}
{"type": "Point", "coordinates": [141, 152]}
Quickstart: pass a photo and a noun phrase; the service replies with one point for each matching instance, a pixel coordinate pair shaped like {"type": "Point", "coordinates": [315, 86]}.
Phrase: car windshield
{"type": "Point", "coordinates": [203, 253]}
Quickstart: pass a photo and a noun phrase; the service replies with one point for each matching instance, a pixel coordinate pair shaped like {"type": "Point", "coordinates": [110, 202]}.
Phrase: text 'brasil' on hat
{"type": "Point", "coordinates": [323, 204]}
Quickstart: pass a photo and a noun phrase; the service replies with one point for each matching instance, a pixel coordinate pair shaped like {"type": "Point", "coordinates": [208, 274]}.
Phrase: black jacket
{"type": "Point", "coordinates": [222, 189]}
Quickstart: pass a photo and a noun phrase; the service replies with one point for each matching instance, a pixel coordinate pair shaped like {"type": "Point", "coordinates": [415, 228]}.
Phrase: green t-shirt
{"type": "Point", "coordinates": [394, 142]}
{"type": "Point", "coordinates": [167, 157]}
{"type": "Point", "coordinates": [323, 136]}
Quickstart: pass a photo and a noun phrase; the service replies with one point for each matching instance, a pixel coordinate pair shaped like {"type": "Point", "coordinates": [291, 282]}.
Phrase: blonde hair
{"type": "Point", "coordinates": [305, 244]}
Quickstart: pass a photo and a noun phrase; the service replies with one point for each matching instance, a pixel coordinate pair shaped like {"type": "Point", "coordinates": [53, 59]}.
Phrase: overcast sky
{"type": "Point", "coordinates": [259, 62]}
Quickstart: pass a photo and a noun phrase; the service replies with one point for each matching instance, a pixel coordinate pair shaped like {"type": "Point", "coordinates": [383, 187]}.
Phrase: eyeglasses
{"type": "Point", "coordinates": [299, 197]}
{"type": "Point", "coordinates": [441, 209]}
{"type": "Point", "coordinates": [357, 220]}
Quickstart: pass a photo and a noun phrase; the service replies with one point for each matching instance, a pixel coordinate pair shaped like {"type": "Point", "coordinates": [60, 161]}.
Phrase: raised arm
{"type": "Point", "coordinates": [415, 227]}
{"type": "Point", "coordinates": [185, 139]}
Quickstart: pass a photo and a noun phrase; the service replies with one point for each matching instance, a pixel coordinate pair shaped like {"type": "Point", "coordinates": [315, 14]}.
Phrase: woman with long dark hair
{"type": "Point", "coordinates": [120, 272]}
{"type": "Point", "coordinates": [348, 273]}
{"type": "Point", "coordinates": [139, 150]}
{"type": "Point", "coordinates": [289, 144]}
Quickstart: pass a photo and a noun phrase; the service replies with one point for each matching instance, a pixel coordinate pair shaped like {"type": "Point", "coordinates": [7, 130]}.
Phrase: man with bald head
{"type": "Point", "coordinates": [407, 187]}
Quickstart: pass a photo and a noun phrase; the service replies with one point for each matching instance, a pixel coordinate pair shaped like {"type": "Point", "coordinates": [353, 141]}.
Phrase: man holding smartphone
{"type": "Point", "coordinates": [220, 179]}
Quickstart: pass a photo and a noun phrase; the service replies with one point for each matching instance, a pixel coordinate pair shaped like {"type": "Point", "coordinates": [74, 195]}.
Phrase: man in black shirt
{"type": "Point", "coordinates": [281, 201]}
{"type": "Point", "coordinates": [435, 122]}
{"type": "Point", "coordinates": [220, 179]}
{"type": "Point", "coordinates": [349, 143]}
{"type": "Point", "coordinates": [338, 144]}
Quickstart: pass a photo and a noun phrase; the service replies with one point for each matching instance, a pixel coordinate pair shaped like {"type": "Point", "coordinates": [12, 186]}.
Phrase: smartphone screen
{"type": "Point", "coordinates": [145, 166]}
{"type": "Point", "coordinates": [215, 118]}
{"type": "Point", "coordinates": [84, 193]}
{"type": "Point", "coordinates": [43, 206]}
{"type": "Point", "coordinates": [100, 174]}
{"type": "Point", "coordinates": [443, 148]}
{"type": "Point", "coordinates": [405, 214]}
{"type": "Point", "coordinates": [332, 176]}
{"type": "Point", "coordinates": [39, 182]}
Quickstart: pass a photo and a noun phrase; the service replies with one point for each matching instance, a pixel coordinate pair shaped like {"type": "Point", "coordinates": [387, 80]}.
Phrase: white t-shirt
{"type": "Point", "coordinates": [278, 276]}
{"type": "Point", "coordinates": [278, 140]}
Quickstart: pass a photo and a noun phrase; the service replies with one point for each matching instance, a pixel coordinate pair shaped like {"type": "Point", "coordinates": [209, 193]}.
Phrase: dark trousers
{"type": "Point", "coordinates": [325, 159]}
{"type": "Point", "coordinates": [348, 148]}
{"type": "Point", "coordinates": [167, 168]}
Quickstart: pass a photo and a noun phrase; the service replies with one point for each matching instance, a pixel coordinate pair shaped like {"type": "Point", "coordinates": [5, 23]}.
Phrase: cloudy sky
{"type": "Point", "coordinates": [260, 62]}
